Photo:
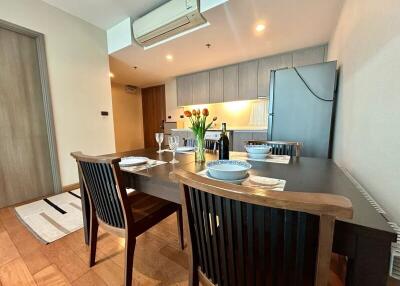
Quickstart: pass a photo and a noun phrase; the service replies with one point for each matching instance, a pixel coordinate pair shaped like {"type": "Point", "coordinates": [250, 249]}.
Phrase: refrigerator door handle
{"type": "Point", "coordinates": [271, 105]}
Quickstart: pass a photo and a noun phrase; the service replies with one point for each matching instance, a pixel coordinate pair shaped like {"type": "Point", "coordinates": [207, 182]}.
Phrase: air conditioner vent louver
{"type": "Point", "coordinates": [130, 89]}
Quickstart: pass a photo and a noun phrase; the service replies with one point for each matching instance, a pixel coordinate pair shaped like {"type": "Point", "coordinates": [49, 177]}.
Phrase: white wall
{"type": "Point", "coordinates": [367, 136]}
{"type": "Point", "coordinates": [128, 118]}
{"type": "Point", "coordinates": [79, 81]}
{"type": "Point", "coordinates": [171, 101]}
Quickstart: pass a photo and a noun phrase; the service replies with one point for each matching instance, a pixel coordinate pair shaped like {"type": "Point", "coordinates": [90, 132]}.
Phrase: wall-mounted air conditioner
{"type": "Point", "coordinates": [168, 20]}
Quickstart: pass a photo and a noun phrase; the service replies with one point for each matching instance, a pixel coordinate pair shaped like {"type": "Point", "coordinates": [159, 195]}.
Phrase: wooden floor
{"type": "Point", "coordinates": [26, 261]}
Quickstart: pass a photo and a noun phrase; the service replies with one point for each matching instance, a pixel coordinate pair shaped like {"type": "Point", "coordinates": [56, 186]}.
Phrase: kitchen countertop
{"type": "Point", "coordinates": [234, 128]}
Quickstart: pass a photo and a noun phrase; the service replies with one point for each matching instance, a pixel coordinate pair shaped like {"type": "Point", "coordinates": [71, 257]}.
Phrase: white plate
{"type": "Point", "coordinates": [185, 149]}
{"type": "Point", "coordinates": [265, 181]}
{"type": "Point", "coordinates": [236, 182]}
{"type": "Point", "coordinates": [133, 161]}
{"type": "Point", "coordinates": [257, 156]}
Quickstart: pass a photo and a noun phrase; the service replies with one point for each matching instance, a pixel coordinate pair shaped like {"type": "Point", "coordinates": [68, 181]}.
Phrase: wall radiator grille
{"type": "Point", "coordinates": [394, 270]}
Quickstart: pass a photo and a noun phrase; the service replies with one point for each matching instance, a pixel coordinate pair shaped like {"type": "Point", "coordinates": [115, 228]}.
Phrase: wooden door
{"type": "Point", "coordinates": [231, 83]}
{"type": "Point", "coordinates": [201, 88]}
{"type": "Point", "coordinates": [25, 162]}
{"type": "Point", "coordinates": [153, 104]}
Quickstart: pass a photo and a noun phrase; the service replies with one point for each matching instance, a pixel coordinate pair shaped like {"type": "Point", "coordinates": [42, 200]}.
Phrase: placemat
{"type": "Point", "coordinates": [280, 159]}
{"type": "Point", "coordinates": [148, 165]}
{"type": "Point", "coordinates": [256, 181]}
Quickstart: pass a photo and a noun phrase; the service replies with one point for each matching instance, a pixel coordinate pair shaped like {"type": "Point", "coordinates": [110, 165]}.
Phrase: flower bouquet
{"type": "Point", "coordinates": [199, 127]}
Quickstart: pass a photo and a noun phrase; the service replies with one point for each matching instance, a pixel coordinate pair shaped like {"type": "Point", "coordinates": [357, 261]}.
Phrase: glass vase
{"type": "Point", "coordinates": [200, 148]}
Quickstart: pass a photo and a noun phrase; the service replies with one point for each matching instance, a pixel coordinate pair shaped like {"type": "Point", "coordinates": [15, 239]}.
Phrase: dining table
{"type": "Point", "coordinates": [365, 240]}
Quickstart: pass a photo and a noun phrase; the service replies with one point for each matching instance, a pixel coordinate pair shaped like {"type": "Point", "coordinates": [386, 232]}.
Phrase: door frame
{"type": "Point", "coordinates": [48, 111]}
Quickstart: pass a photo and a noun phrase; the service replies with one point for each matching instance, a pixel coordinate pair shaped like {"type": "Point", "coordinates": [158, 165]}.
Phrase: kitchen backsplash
{"type": "Point", "coordinates": [237, 113]}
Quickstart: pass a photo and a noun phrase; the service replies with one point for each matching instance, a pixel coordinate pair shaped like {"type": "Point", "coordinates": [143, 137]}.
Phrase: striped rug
{"type": "Point", "coordinates": [54, 217]}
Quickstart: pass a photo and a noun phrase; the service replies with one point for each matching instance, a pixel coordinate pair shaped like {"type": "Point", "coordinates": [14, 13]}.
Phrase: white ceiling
{"type": "Point", "coordinates": [106, 13]}
{"type": "Point", "coordinates": [290, 25]}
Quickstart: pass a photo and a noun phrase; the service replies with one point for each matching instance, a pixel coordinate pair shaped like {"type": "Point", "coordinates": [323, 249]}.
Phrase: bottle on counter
{"type": "Point", "coordinates": [223, 147]}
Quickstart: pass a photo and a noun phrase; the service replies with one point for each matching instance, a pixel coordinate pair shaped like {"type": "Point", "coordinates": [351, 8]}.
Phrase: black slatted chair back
{"type": "Point", "coordinates": [235, 241]}
{"type": "Point", "coordinates": [100, 178]}
{"type": "Point", "coordinates": [280, 147]}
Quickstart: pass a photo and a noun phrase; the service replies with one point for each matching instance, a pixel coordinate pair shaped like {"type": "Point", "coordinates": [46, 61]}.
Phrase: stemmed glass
{"type": "Point", "coordinates": [173, 142]}
{"type": "Point", "coordinates": [159, 139]}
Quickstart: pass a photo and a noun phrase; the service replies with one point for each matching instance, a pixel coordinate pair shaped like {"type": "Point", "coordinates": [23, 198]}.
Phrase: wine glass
{"type": "Point", "coordinates": [173, 142]}
{"type": "Point", "coordinates": [159, 139]}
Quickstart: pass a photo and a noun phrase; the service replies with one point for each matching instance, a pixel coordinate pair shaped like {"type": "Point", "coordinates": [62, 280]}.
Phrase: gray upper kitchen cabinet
{"type": "Point", "coordinates": [231, 86]}
{"type": "Point", "coordinates": [184, 86]}
{"type": "Point", "coordinates": [240, 139]}
{"type": "Point", "coordinates": [309, 56]}
{"type": "Point", "coordinates": [265, 65]}
{"type": "Point", "coordinates": [248, 77]}
{"type": "Point", "coordinates": [216, 85]}
{"type": "Point", "coordinates": [201, 87]}
{"type": "Point", "coordinates": [243, 81]}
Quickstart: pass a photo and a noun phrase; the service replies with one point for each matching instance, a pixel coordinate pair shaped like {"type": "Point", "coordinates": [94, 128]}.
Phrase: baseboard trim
{"type": "Point", "coordinates": [70, 187]}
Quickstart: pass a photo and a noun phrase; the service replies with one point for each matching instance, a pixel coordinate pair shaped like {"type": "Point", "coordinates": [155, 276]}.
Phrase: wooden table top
{"type": "Point", "coordinates": [302, 175]}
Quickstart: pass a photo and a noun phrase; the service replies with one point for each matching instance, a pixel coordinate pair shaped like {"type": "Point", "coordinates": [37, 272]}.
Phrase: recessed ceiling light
{"type": "Point", "coordinates": [260, 27]}
{"type": "Point", "coordinates": [169, 58]}
{"type": "Point", "coordinates": [111, 74]}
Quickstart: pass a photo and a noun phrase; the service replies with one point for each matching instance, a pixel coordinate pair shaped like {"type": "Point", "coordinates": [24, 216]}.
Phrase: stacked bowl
{"type": "Point", "coordinates": [257, 151]}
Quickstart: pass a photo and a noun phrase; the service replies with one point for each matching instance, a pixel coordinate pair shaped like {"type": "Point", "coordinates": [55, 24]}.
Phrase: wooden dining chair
{"type": "Point", "coordinates": [211, 145]}
{"type": "Point", "coordinates": [118, 213]}
{"type": "Point", "coordinates": [280, 147]}
{"type": "Point", "coordinates": [247, 236]}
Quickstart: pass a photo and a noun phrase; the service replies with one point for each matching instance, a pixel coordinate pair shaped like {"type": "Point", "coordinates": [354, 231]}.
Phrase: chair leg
{"type": "Point", "coordinates": [193, 272]}
{"type": "Point", "coordinates": [179, 219]}
{"type": "Point", "coordinates": [130, 243]}
{"type": "Point", "coordinates": [94, 226]}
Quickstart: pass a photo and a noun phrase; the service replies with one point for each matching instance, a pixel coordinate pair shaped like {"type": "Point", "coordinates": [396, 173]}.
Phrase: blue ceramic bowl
{"type": "Point", "coordinates": [228, 169]}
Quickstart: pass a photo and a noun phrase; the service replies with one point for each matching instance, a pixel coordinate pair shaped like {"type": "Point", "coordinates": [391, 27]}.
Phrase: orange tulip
{"type": "Point", "coordinates": [205, 112]}
{"type": "Point", "coordinates": [194, 112]}
{"type": "Point", "coordinates": [188, 113]}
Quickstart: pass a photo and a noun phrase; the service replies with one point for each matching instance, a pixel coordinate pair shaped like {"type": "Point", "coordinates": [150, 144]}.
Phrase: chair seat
{"type": "Point", "coordinates": [149, 210]}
